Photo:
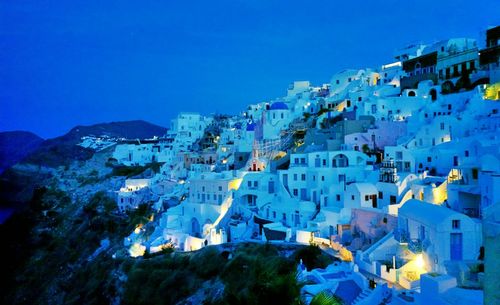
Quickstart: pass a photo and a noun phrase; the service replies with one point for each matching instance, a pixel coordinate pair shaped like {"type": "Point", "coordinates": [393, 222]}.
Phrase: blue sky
{"type": "Point", "coordinates": [67, 63]}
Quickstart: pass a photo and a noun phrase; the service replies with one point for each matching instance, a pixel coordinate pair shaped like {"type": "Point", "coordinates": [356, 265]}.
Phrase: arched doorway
{"type": "Point", "coordinates": [195, 227]}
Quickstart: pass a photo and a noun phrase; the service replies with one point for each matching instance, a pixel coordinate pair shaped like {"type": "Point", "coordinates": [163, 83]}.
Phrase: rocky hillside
{"type": "Point", "coordinates": [50, 158]}
{"type": "Point", "coordinates": [15, 146]}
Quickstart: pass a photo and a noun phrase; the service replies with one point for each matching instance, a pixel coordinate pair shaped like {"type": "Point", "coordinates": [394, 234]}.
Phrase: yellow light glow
{"type": "Point", "coordinates": [235, 184]}
{"type": "Point", "coordinates": [419, 261]}
{"type": "Point", "coordinates": [137, 250]}
{"type": "Point", "coordinates": [440, 194]}
{"type": "Point", "coordinates": [492, 92]}
{"type": "Point", "coordinates": [138, 229]}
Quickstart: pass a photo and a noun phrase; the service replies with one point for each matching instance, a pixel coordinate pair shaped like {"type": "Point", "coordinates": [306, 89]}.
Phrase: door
{"type": "Point", "coordinates": [303, 194]}
{"type": "Point", "coordinates": [456, 246]}
{"type": "Point", "coordinates": [374, 201]}
{"type": "Point", "coordinates": [271, 187]}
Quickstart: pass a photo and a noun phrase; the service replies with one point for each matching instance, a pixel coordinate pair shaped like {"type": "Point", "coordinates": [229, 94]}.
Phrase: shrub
{"type": "Point", "coordinates": [312, 257]}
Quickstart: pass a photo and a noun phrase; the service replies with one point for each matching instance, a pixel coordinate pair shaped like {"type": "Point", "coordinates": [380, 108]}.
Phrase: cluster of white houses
{"type": "Point", "coordinates": [399, 165]}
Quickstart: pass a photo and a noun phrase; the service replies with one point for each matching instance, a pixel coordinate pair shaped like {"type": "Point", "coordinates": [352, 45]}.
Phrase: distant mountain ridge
{"type": "Point", "coordinates": [15, 146]}
{"type": "Point", "coordinates": [136, 129]}
{"type": "Point", "coordinates": [63, 149]}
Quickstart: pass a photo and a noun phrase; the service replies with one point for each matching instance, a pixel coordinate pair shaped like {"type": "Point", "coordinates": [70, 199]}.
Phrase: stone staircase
{"type": "Point", "coordinates": [362, 296]}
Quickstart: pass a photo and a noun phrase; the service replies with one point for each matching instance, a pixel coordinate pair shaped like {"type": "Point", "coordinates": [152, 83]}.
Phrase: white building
{"type": "Point", "coordinates": [442, 234]}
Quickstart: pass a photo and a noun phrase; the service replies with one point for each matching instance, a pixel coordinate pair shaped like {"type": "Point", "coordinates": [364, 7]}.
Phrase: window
{"type": "Point", "coordinates": [392, 199]}
{"type": "Point", "coordinates": [455, 224]}
{"type": "Point", "coordinates": [303, 177]}
{"type": "Point", "coordinates": [475, 173]}
{"type": "Point", "coordinates": [303, 160]}
{"type": "Point", "coordinates": [442, 126]}
{"type": "Point", "coordinates": [294, 177]}
{"type": "Point", "coordinates": [380, 195]}
{"type": "Point", "coordinates": [466, 153]}
{"type": "Point", "coordinates": [429, 159]}
{"type": "Point", "coordinates": [284, 216]}
{"type": "Point", "coordinates": [274, 214]}
{"type": "Point", "coordinates": [352, 197]}
{"type": "Point", "coordinates": [220, 188]}
{"type": "Point", "coordinates": [322, 178]}
{"type": "Point", "coordinates": [295, 192]}
{"type": "Point", "coordinates": [255, 184]}
{"type": "Point", "coordinates": [296, 160]}
{"type": "Point", "coordinates": [367, 197]}
{"type": "Point", "coordinates": [338, 197]}
{"type": "Point", "coordinates": [249, 183]}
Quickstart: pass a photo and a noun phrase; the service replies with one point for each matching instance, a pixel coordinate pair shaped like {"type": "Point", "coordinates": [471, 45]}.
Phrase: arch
{"type": "Point", "coordinates": [195, 227]}
{"type": "Point", "coordinates": [412, 93]}
{"type": "Point", "coordinates": [447, 87]}
{"type": "Point", "coordinates": [340, 160]}
{"type": "Point", "coordinates": [433, 94]}
{"type": "Point", "coordinates": [481, 81]}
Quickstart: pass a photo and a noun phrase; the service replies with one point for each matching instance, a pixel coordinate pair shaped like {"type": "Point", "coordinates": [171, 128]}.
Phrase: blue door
{"type": "Point", "coordinates": [271, 187]}
{"type": "Point", "coordinates": [456, 246]}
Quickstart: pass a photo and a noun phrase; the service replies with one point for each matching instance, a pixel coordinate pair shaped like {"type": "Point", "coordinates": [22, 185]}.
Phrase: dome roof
{"type": "Point", "coordinates": [279, 106]}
